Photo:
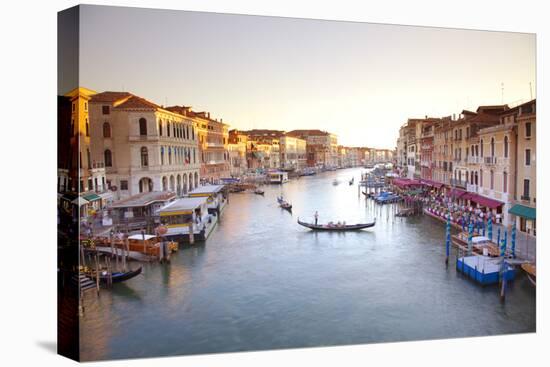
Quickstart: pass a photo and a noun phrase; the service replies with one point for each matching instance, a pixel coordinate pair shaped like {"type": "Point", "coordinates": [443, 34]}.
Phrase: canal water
{"type": "Point", "coordinates": [263, 282]}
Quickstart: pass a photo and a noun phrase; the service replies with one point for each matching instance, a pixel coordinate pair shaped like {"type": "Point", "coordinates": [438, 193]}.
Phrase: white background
{"type": "Point", "coordinates": [27, 186]}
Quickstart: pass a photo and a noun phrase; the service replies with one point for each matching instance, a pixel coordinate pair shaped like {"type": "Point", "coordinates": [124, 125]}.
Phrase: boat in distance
{"type": "Point", "coordinates": [336, 227]}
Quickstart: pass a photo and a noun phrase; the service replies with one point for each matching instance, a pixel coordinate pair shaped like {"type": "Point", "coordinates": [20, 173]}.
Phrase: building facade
{"type": "Point", "coordinates": [144, 147]}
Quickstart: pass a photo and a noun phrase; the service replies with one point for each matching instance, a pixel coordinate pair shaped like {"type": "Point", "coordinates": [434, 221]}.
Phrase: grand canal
{"type": "Point", "coordinates": [263, 282]}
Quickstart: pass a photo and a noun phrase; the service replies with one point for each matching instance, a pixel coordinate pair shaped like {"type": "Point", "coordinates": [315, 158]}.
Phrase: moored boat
{"type": "Point", "coordinates": [116, 276]}
{"type": "Point", "coordinates": [259, 192]}
{"type": "Point", "coordinates": [530, 270]}
{"type": "Point", "coordinates": [336, 227]}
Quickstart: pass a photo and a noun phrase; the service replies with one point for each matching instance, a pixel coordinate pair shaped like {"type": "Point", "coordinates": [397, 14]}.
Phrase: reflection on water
{"type": "Point", "coordinates": [264, 282]}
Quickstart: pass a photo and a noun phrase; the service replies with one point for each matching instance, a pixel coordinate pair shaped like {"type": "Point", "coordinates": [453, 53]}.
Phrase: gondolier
{"type": "Point", "coordinates": [316, 216]}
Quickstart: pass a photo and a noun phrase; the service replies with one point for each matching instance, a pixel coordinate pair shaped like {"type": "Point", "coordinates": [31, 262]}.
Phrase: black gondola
{"type": "Point", "coordinates": [117, 276]}
{"type": "Point", "coordinates": [346, 227]}
{"type": "Point", "coordinates": [286, 206]}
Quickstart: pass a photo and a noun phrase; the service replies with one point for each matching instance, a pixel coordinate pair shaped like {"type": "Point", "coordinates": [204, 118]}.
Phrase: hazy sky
{"type": "Point", "coordinates": [361, 81]}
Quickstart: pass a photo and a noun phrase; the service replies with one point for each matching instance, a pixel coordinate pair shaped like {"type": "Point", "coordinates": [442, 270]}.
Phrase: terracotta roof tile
{"type": "Point", "coordinates": [137, 102]}
{"type": "Point", "coordinates": [110, 97]}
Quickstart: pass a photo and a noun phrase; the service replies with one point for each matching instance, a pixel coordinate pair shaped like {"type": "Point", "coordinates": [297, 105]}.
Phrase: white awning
{"type": "Point", "coordinates": [80, 201]}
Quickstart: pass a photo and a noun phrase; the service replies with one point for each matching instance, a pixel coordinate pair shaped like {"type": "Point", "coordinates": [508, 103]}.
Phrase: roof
{"type": "Point", "coordinates": [184, 204]}
{"type": "Point", "coordinates": [523, 211]}
{"type": "Point", "coordinates": [137, 102]}
{"type": "Point", "coordinates": [480, 239]}
{"type": "Point", "coordinates": [110, 97]}
{"type": "Point", "coordinates": [141, 237]}
{"type": "Point", "coordinates": [91, 196]}
{"type": "Point", "coordinates": [144, 199]}
{"type": "Point", "coordinates": [207, 189]}
{"type": "Point", "coordinates": [313, 132]}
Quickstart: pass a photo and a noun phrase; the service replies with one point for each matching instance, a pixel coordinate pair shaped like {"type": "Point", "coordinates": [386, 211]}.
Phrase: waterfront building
{"type": "Point", "coordinates": [321, 146]}
{"type": "Point", "coordinates": [497, 166]}
{"type": "Point", "coordinates": [91, 172]}
{"type": "Point", "coordinates": [259, 154]}
{"type": "Point", "coordinates": [292, 153]}
{"type": "Point", "coordinates": [413, 160]}
{"type": "Point", "coordinates": [465, 141]}
{"type": "Point", "coordinates": [264, 148]}
{"type": "Point", "coordinates": [401, 160]}
{"type": "Point", "coordinates": [144, 147]}
{"type": "Point", "coordinates": [442, 171]}
{"type": "Point", "coordinates": [237, 153]}
{"type": "Point", "coordinates": [426, 151]}
{"type": "Point", "coordinates": [213, 151]}
{"type": "Point", "coordinates": [522, 153]}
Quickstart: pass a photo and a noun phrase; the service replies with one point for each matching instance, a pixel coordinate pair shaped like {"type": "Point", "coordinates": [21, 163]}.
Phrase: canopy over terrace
{"type": "Point", "coordinates": [405, 183]}
{"type": "Point", "coordinates": [206, 190]}
{"type": "Point", "coordinates": [457, 193]}
{"type": "Point", "coordinates": [523, 211]}
{"type": "Point", "coordinates": [431, 183]}
{"type": "Point", "coordinates": [483, 201]}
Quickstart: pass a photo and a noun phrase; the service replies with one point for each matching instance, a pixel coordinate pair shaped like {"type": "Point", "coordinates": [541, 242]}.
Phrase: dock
{"type": "Point", "coordinates": [133, 255]}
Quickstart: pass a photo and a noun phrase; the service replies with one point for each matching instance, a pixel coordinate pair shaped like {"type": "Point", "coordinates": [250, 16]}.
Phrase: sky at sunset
{"type": "Point", "coordinates": [360, 81]}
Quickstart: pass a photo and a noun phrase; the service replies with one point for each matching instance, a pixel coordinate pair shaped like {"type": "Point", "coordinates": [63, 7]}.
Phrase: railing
{"type": "Point", "coordinates": [472, 188]}
{"type": "Point", "coordinates": [490, 160]}
{"type": "Point", "coordinates": [455, 182]}
{"type": "Point", "coordinates": [526, 198]}
{"type": "Point", "coordinates": [473, 160]}
{"type": "Point", "coordinates": [98, 165]}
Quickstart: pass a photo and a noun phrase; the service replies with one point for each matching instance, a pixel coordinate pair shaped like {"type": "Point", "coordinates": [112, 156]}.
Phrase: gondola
{"type": "Point", "coordinates": [286, 206]}
{"type": "Point", "coordinates": [346, 227]}
{"type": "Point", "coordinates": [351, 182]}
{"type": "Point", "coordinates": [117, 276]}
{"type": "Point", "coordinates": [259, 192]}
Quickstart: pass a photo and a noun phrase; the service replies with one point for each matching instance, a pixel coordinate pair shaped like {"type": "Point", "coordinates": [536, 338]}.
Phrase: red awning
{"type": "Point", "coordinates": [485, 201]}
{"type": "Point", "coordinates": [431, 183]}
{"type": "Point", "coordinates": [457, 193]}
{"type": "Point", "coordinates": [405, 182]}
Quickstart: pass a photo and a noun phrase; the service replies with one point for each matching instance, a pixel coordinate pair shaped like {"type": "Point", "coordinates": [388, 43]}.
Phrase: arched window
{"type": "Point", "coordinates": [144, 157]}
{"type": "Point", "coordinates": [505, 182]}
{"type": "Point", "coordinates": [145, 185]}
{"type": "Point", "coordinates": [108, 158]}
{"type": "Point", "coordinates": [106, 130]}
{"type": "Point", "coordinates": [87, 128]}
{"type": "Point", "coordinates": [168, 128]}
{"type": "Point", "coordinates": [169, 155]}
{"type": "Point", "coordinates": [162, 155]}
{"type": "Point", "coordinates": [492, 147]}
{"type": "Point", "coordinates": [480, 177]}
{"type": "Point", "coordinates": [492, 179]}
{"type": "Point", "coordinates": [142, 126]}
{"type": "Point", "coordinates": [160, 127]}
{"type": "Point", "coordinates": [481, 148]}
{"type": "Point", "coordinates": [505, 147]}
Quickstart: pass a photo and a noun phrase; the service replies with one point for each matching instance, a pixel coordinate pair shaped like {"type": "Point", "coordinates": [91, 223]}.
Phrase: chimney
{"type": "Point", "coordinates": [208, 114]}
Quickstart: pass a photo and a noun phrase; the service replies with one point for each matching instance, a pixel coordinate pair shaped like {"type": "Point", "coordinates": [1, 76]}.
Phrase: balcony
{"type": "Point", "coordinates": [459, 183]}
{"type": "Point", "coordinates": [490, 160]}
{"type": "Point", "coordinates": [525, 198]}
{"type": "Point", "coordinates": [472, 188]}
{"type": "Point", "coordinates": [473, 160]}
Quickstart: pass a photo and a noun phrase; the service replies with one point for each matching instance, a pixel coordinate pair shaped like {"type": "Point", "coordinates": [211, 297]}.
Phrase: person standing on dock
{"type": "Point", "coordinates": [316, 216]}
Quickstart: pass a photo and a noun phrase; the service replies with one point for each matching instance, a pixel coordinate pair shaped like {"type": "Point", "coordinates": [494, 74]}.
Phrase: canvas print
{"type": "Point", "coordinates": [232, 183]}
